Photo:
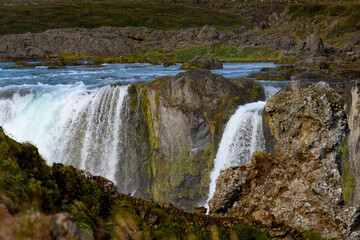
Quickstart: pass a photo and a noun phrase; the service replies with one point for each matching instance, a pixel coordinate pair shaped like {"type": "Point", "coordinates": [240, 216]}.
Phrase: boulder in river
{"type": "Point", "coordinates": [202, 62]}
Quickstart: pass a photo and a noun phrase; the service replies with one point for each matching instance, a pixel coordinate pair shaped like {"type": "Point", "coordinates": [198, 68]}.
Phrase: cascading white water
{"type": "Point", "coordinates": [243, 136]}
{"type": "Point", "coordinates": [81, 127]}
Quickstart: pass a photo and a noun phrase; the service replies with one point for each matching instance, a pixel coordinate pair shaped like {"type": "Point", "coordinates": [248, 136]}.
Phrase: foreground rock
{"type": "Point", "coordinates": [300, 185]}
{"type": "Point", "coordinates": [180, 120]}
{"type": "Point", "coordinates": [202, 62]}
{"type": "Point", "coordinates": [63, 202]}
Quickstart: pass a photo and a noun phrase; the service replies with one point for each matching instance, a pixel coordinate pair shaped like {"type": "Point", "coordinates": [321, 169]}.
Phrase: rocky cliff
{"type": "Point", "coordinates": [174, 127]}
{"type": "Point", "coordinates": [301, 184]}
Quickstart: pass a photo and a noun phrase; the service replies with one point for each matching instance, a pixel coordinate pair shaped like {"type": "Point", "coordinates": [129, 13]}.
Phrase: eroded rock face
{"type": "Point", "coordinates": [300, 184]}
{"type": "Point", "coordinates": [208, 33]}
{"type": "Point", "coordinates": [181, 120]}
{"type": "Point", "coordinates": [311, 122]}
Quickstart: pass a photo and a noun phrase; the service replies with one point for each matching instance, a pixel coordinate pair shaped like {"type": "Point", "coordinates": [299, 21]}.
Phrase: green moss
{"type": "Point", "coordinates": [79, 209]}
{"type": "Point", "coordinates": [181, 167]}
{"type": "Point", "coordinates": [307, 10]}
{"type": "Point", "coordinates": [310, 235]}
{"type": "Point", "coordinates": [349, 183]}
{"type": "Point", "coordinates": [185, 110]}
{"type": "Point", "coordinates": [344, 150]}
{"type": "Point", "coordinates": [249, 232]}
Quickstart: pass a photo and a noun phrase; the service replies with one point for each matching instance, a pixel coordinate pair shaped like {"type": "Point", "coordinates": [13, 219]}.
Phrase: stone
{"type": "Point", "coordinates": [202, 62]}
{"type": "Point", "coordinates": [208, 33]}
{"type": "Point", "coordinates": [299, 184]}
{"type": "Point", "coordinates": [314, 45]}
{"type": "Point", "coordinates": [65, 228]}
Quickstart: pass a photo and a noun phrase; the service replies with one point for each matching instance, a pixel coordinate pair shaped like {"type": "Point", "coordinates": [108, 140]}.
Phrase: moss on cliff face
{"type": "Point", "coordinates": [180, 120]}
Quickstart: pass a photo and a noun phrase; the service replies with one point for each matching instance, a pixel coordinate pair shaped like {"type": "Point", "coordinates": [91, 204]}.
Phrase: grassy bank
{"type": "Point", "coordinates": [334, 21]}
{"type": "Point", "coordinates": [22, 18]}
{"type": "Point", "coordinates": [218, 51]}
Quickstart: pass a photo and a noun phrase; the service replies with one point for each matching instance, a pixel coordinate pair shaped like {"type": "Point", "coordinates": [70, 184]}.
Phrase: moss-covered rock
{"type": "Point", "coordinates": [202, 62]}
{"type": "Point", "coordinates": [62, 202]}
{"type": "Point", "coordinates": [176, 125]}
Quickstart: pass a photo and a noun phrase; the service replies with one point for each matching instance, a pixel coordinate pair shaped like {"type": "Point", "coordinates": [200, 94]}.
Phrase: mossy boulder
{"type": "Point", "coordinates": [181, 120]}
{"type": "Point", "coordinates": [202, 62]}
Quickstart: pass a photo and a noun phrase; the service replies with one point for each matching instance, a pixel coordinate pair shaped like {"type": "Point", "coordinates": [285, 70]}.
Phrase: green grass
{"type": "Point", "coordinates": [218, 51]}
{"type": "Point", "coordinates": [22, 18]}
{"type": "Point", "coordinates": [348, 183]}
{"type": "Point", "coordinates": [336, 20]}
{"type": "Point", "coordinates": [309, 235]}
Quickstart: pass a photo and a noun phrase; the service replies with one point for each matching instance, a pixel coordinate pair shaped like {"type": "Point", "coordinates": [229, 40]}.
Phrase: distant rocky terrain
{"type": "Point", "coordinates": [112, 41]}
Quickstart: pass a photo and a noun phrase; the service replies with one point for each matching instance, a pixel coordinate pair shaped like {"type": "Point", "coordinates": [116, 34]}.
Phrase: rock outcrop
{"type": "Point", "coordinates": [180, 120]}
{"type": "Point", "coordinates": [353, 142]}
{"type": "Point", "coordinates": [300, 184]}
{"type": "Point", "coordinates": [208, 33]}
{"type": "Point", "coordinates": [202, 62]}
{"type": "Point", "coordinates": [313, 46]}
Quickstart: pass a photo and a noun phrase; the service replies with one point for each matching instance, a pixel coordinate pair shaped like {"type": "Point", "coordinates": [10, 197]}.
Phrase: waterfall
{"type": "Point", "coordinates": [71, 124]}
{"type": "Point", "coordinates": [242, 136]}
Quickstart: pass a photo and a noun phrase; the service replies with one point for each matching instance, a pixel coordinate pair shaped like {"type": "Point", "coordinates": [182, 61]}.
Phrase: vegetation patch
{"type": "Point", "coordinates": [348, 182]}
{"type": "Point", "coordinates": [40, 16]}
{"type": "Point", "coordinates": [348, 177]}
{"type": "Point", "coordinates": [336, 20]}
{"type": "Point", "coordinates": [217, 51]}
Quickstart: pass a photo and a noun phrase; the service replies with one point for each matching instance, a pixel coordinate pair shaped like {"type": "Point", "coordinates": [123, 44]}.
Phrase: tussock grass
{"type": "Point", "coordinates": [336, 20]}
{"type": "Point", "coordinates": [22, 18]}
